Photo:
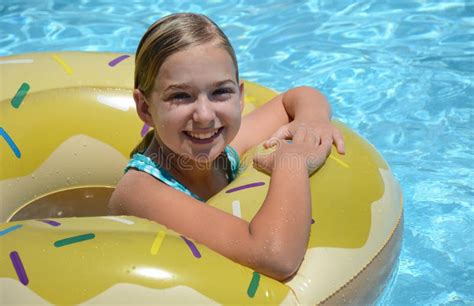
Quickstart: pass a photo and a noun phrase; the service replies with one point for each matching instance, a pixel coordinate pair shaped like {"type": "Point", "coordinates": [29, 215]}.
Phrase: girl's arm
{"type": "Point", "coordinates": [281, 116]}
{"type": "Point", "coordinates": [273, 243]}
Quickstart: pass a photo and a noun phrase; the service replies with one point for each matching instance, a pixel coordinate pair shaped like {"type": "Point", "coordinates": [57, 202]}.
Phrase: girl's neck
{"type": "Point", "coordinates": [184, 170]}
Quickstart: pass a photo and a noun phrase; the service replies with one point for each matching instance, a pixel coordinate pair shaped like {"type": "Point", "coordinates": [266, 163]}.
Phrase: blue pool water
{"type": "Point", "coordinates": [399, 72]}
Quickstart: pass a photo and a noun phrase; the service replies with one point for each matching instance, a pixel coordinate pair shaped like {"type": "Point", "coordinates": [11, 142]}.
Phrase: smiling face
{"type": "Point", "coordinates": [196, 102]}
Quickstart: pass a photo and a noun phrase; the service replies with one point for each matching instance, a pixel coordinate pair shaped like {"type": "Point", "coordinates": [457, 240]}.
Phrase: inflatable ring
{"type": "Point", "coordinates": [68, 124]}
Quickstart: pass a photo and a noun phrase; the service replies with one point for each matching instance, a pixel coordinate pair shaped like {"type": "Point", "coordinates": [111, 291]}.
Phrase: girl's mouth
{"type": "Point", "coordinates": [203, 138]}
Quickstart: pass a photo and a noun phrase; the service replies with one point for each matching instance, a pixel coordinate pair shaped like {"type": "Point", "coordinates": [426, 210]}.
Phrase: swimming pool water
{"type": "Point", "coordinates": [400, 73]}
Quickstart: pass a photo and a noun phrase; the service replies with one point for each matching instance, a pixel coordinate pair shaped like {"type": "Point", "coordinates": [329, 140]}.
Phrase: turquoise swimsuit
{"type": "Point", "coordinates": [144, 163]}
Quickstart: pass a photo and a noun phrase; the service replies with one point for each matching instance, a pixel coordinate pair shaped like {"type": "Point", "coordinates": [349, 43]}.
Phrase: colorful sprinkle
{"type": "Point", "coordinates": [245, 187]}
{"type": "Point", "coordinates": [312, 221]}
{"type": "Point", "coordinates": [144, 130]}
{"type": "Point", "coordinates": [19, 268]}
{"type": "Point", "coordinates": [63, 64]}
{"type": "Point", "coordinates": [117, 60]}
{"type": "Point", "coordinates": [10, 229]}
{"type": "Point", "coordinates": [75, 239]}
{"type": "Point", "coordinates": [20, 95]}
{"type": "Point", "coordinates": [253, 285]}
{"type": "Point", "coordinates": [236, 209]}
{"type": "Point", "coordinates": [192, 247]}
{"type": "Point", "coordinates": [50, 222]}
{"type": "Point", "coordinates": [339, 161]}
{"type": "Point", "coordinates": [119, 219]}
{"type": "Point", "coordinates": [18, 61]}
{"type": "Point", "coordinates": [155, 247]}
{"type": "Point", "coordinates": [10, 142]}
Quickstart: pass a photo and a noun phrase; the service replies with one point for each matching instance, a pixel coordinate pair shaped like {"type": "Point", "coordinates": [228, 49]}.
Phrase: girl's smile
{"type": "Point", "coordinates": [203, 137]}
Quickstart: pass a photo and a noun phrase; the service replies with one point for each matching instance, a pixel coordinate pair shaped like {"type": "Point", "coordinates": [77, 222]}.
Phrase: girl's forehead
{"type": "Point", "coordinates": [197, 65]}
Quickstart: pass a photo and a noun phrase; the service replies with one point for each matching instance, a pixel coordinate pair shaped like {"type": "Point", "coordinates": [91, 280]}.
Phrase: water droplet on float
{"type": "Point", "coordinates": [33, 176]}
{"type": "Point", "coordinates": [57, 171]}
{"type": "Point", "coordinates": [60, 213]}
{"type": "Point", "coordinates": [89, 195]}
{"type": "Point", "coordinates": [89, 173]}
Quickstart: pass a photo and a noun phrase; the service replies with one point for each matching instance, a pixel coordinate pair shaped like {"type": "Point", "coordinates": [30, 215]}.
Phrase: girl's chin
{"type": "Point", "coordinates": [203, 155]}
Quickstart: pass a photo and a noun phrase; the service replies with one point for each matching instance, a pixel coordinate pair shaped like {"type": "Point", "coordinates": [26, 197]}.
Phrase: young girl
{"type": "Point", "coordinates": [187, 88]}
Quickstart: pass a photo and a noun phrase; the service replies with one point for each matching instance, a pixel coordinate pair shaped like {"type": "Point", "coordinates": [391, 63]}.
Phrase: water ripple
{"type": "Point", "coordinates": [400, 73]}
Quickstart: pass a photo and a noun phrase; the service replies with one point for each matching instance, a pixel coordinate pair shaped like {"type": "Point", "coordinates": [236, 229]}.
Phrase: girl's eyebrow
{"type": "Point", "coordinates": [184, 86]}
{"type": "Point", "coordinates": [219, 83]}
{"type": "Point", "coordinates": [177, 86]}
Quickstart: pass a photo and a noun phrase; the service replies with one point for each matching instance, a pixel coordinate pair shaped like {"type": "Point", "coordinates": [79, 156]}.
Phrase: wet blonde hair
{"type": "Point", "coordinates": [168, 35]}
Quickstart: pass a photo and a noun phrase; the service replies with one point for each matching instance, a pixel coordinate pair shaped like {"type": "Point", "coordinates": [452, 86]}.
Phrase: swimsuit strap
{"type": "Point", "coordinates": [234, 159]}
{"type": "Point", "coordinates": [143, 163]}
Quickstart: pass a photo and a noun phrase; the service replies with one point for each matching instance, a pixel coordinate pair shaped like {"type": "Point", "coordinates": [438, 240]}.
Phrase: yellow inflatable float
{"type": "Point", "coordinates": [68, 124]}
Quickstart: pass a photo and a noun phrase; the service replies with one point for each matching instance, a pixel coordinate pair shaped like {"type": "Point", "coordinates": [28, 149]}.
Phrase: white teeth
{"type": "Point", "coordinates": [202, 135]}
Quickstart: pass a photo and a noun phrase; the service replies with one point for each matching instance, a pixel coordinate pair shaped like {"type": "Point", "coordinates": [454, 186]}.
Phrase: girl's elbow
{"type": "Point", "coordinates": [283, 266]}
{"type": "Point", "coordinates": [305, 89]}
{"type": "Point", "coordinates": [284, 271]}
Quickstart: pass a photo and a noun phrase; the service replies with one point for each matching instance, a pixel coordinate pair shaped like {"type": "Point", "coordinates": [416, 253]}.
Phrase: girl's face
{"type": "Point", "coordinates": [196, 102]}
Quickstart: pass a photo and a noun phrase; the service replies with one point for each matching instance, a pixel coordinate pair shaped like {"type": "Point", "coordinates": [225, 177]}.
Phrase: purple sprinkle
{"type": "Point", "coordinates": [50, 222]}
{"type": "Point", "coordinates": [245, 187]}
{"type": "Point", "coordinates": [312, 221]}
{"type": "Point", "coordinates": [18, 265]}
{"type": "Point", "coordinates": [144, 130]}
{"type": "Point", "coordinates": [117, 60]}
{"type": "Point", "coordinates": [192, 247]}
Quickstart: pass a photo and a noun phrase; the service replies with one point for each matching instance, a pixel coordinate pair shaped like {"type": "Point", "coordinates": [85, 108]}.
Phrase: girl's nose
{"type": "Point", "coordinates": [204, 112]}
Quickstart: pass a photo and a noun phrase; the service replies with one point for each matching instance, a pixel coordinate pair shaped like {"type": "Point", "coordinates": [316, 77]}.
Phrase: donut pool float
{"type": "Point", "coordinates": [68, 124]}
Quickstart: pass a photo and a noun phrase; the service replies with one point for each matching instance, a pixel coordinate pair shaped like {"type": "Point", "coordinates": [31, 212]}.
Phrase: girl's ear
{"type": "Point", "coordinates": [242, 100]}
{"type": "Point", "coordinates": [143, 109]}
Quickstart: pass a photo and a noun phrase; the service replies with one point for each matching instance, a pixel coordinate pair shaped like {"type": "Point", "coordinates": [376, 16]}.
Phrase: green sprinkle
{"type": "Point", "coordinates": [253, 285]}
{"type": "Point", "coordinates": [75, 239]}
{"type": "Point", "coordinates": [20, 95]}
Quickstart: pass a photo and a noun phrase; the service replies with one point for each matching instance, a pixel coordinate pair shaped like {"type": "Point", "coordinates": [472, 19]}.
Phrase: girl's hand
{"type": "Point", "coordinates": [323, 132]}
{"type": "Point", "coordinates": [304, 151]}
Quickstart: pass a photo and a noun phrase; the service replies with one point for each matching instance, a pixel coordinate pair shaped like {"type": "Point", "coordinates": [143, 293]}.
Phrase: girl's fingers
{"type": "Point", "coordinates": [299, 135]}
{"type": "Point", "coordinates": [282, 133]}
{"type": "Point", "coordinates": [339, 142]}
{"type": "Point", "coordinates": [326, 145]}
{"type": "Point", "coordinates": [312, 137]}
{"type": "Point", "coordinates": [264, 162]}
{"type": "Point", "coordinates": [273, 141]}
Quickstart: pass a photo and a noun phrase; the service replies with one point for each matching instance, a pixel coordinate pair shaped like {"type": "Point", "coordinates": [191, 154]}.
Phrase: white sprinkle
{"type": "Point", "coordinates": [19, 61]}
{"type": "Point", "coordinates": [236, 209]}
{"type": "Point", "coordinates": [118, 219]}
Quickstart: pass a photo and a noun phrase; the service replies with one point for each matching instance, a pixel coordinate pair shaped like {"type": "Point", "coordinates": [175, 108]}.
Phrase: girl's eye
{"type": "Point", "coordinates": [179, 96]}
{"type": "Point", "coordinates": [223, 92]}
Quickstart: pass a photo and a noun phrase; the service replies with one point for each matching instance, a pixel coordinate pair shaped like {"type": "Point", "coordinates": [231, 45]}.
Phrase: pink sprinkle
{"type": "Point", "coordinates": [252, 185]}
{"type": "Point", "coordinates": [117, 60]}
{"type": "Point", "coordinates": [19, 268]}
{"type": "Point", "coordinates": [145, 129]}
{"type": "Point", "coordinates": [50, 222]}
{"type": "Point", "coordinates": [192, 246]}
